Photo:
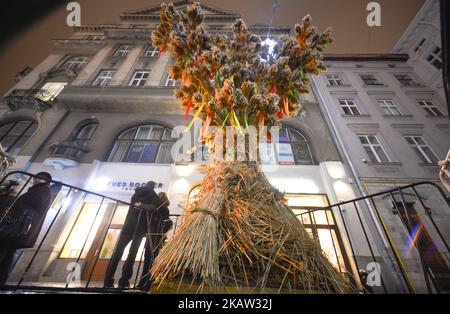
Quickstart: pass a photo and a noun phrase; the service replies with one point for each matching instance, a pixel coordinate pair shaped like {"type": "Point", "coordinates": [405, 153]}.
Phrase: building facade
{"type": "Point", "coordinates": [388, 115]}
{"type": "Point", "coordinates": [98, 113]}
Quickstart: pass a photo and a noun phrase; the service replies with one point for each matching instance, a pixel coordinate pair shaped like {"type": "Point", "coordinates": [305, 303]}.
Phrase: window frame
{"type": "Point", "coordinates": [169, 79]}
{"type": "Point", "coordinates": [19, 137]}
{"type": "Point", "coordinates": [372, 147]}
{"type": "Point", "coordinates": [433, 57]}
{"type": "Point", "coordinates": [123, 50]}
{"type": "Point", "coordinates": [419, 148]}
{"type": "Point", "coordinates": [130, 142]}
{"type": "Point", "coordinates": [79, 64]}
{"type": "Point", "coordinates": [139, 80]}
{"type": "Point", "coordinates": [409, 78]}
{"type": "Point", "coordinates": [151, 51]}
{"type": "Point", "coordinates": [388, 109]}
{"type": "Point", "coordinates": [312, 225]}
{"type": "Point", "coordinates": [375, 79]}
{"type": "Point", "coordinates": [349, 107]}
{"type": "Point", "coordinates": [106, 79]}
{"type": "Point", "coordinates": [274, 150]}
{"type": "Point", "coordinates": [334, 77]}
{"type": "Point", "coordinates": [429, 107]}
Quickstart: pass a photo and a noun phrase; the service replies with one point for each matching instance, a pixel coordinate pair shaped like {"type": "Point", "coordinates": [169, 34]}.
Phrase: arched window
{"type": "Point", "coordinates": [143, 144]}
{"type": "Point", "coordinates": [14, 135]}
{"type": "Point", "coordinates": [77, 141]}
{"type": "Point", "coordinates": [293, 148]}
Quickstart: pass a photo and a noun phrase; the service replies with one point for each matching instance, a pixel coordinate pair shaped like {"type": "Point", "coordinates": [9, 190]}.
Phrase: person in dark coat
{"type": "Point", "coordinates": [8, 194]}
{"type": "Point", "coordinates": [159, 223]}
{"type": "Point", "coordinates": [134, 229]}
{"type": "Point", "coordinates": [35, 204]}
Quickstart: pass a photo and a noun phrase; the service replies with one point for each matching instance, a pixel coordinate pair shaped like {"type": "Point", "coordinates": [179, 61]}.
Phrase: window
{"type": "Point", "coordinates": [50, 90]}
{"type": "Point", "coordinates": [79, 139]}
{"type": "Point", "coordinates": [143, 144]}
{"type": "Point", "coordinates": [405, 80]}
{"type": "Point", "coordinates": [320, 224]}
{"type": "Point", "coordinates": [151, 51]}
{"type": "Point", "coordinates": [103, 78]}
{"type": "Point", "coordinates": [84, 230]}
{"type": "Point", "coordinates": [430, 108]}
{"type": "Point", "coordinates": [335, 80]}
{"type": "Point", "coordinates": [170, 82]}
{"type": "Point", "coordinates": [123, 50]}
{"type": "Point", "coordinates": [76, 62]}
{"type": "Point", "coordinates": [290, 148]}
{"type": "Point", "coordinates": [422, 149]}
{"type": "Point", "coordinates": [373, 148]}
{"type": "Point", "coordinates": [435, 58]}
{"type": "Point", "coordinates": [15, 134]}
{"type": "Point", "coordinates": [389, 108]}
{"type": "Point", "coordinates": [349, 107]}
{"type": "Point", "coordinates": [370, 79]}
{"type": "Point", "coordinates": [88, 225]}
{"type": "Point", "coordinates": [139, 78]}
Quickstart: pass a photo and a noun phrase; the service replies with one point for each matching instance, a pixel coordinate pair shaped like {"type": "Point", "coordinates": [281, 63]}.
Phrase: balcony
{"type": "Point", "coordinates": [65, 154]}
{"type": "Point", "coordinates": [29, 98]}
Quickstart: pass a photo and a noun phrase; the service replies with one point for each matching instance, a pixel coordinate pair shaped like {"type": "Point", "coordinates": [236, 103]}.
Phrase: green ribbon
{"type": "Point", "coordinates": [301, 70]}
{"type": "Point", "coordinates": [226, 118]}
{"type": "Point", "coordinates": [218, 78]}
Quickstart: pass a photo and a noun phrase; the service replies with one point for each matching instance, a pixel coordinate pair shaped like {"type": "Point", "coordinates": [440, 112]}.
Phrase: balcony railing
{"type": "Point", "coordinates": [69, 150]}
{"type": "Point", "coordinates": [31, 98]}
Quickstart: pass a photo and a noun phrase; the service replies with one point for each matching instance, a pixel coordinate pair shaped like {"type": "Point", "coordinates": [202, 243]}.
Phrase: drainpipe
{"type": "Point", "coordinates": [43, 144]}
{"type": "Point", "coordinates": [343, 151]}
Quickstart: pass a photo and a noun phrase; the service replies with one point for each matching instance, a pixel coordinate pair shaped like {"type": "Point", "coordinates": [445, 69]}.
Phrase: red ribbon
{"type": "Point", "coordinates": [286, 105]}
{"type": "Point", "coordinates": [188, 108]}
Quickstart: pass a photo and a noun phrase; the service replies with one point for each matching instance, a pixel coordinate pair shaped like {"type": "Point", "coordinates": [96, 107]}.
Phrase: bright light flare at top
{"type": "Point", "coordinates": [271, 43]}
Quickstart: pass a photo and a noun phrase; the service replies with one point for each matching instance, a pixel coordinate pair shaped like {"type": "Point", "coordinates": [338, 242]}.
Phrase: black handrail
{"type": "Point", "coordinates": [390, 192]}
{"type": "Point", "coordinates": [113, 201]}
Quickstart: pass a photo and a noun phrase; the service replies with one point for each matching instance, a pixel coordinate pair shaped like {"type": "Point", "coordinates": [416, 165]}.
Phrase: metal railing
{"type": "Point", "coordinates": [356, 239]}
{"type": "Point", "coordinates": [392, 257]}
{"type": "Point", "coordinates": [69, 197]}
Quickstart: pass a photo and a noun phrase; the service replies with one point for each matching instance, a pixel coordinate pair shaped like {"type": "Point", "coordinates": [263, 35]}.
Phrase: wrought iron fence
{"type": "Point", "coordinates": [67, 198]}
{"type": "Point", "coordinates": [357, 228]}
{"type": "Point", "coordinates": [423, 267]}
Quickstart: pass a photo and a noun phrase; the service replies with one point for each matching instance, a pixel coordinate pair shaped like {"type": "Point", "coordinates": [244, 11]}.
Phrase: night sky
{"type": "Point", "coordinates": [27, 26]}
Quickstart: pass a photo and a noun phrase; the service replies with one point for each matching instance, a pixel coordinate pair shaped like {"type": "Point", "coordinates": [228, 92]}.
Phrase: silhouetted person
{"type": "Point", "coordinates": [159, 223]}
{"type": "Point", "coordinates": [22, 225]}
{"type": "Point", "coordinates": [8, 194]}
{"type": "Point", "coordinates": [134, 229]}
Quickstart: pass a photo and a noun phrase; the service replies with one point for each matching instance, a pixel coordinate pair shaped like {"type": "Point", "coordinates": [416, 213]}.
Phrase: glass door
{"type": "Point", "coordinates": [321, 225]}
